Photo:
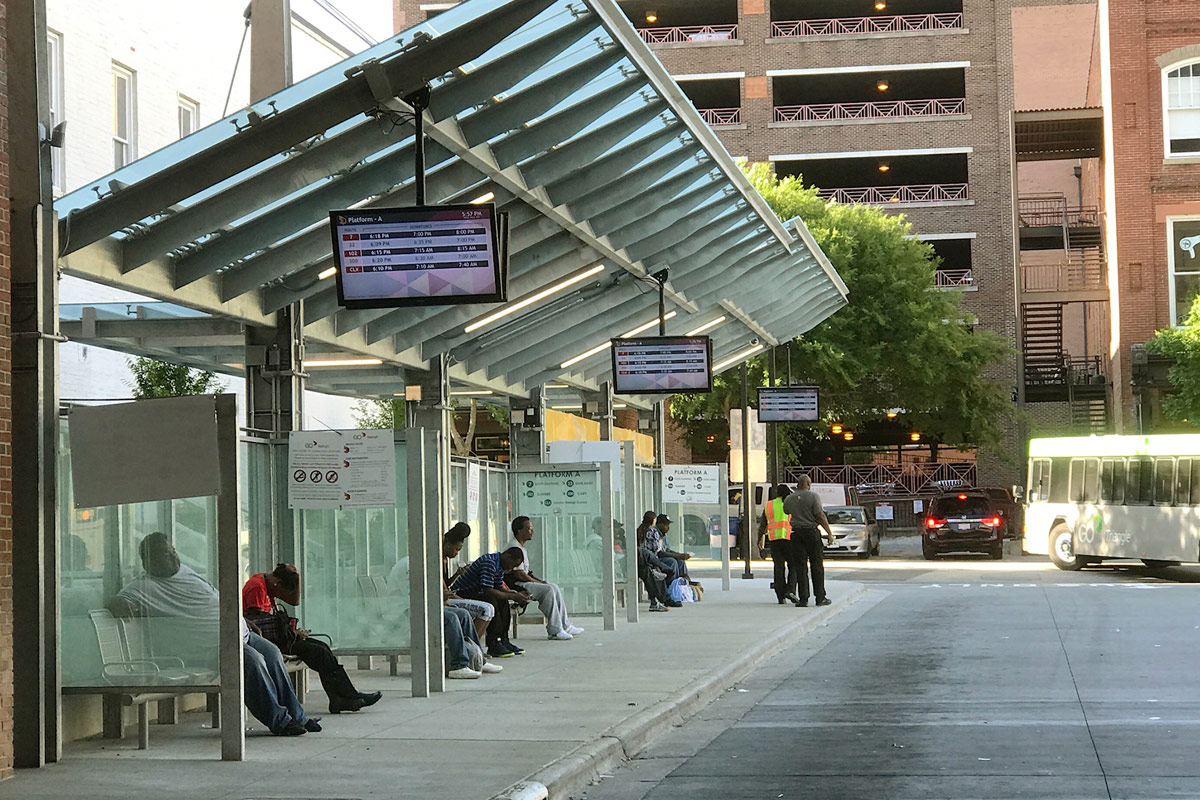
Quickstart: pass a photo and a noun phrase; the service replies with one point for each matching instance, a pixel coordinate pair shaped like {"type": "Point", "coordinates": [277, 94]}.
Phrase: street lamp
{"type": "Point", "coordinates": [836, 428]}
{"type": "Point", "coordinates": [848, 436]}
{"type": "Point", "coordinates": [914, 436]}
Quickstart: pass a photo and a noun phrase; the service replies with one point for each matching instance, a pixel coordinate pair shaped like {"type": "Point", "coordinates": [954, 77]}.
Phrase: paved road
{"type": "Point", "coordinates": [966, 679]}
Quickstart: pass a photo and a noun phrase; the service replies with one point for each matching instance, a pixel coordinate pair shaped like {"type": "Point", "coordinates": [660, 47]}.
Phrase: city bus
{"type": "Point", "coordinates": [1098, 497]}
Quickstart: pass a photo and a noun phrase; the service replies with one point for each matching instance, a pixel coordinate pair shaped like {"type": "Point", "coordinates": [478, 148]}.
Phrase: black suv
{"type": "Point", "coordinates": [970, 520]}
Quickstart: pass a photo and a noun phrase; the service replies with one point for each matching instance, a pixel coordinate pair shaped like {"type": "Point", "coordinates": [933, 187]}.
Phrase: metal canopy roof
{"type": "Point", "coordinates": [556, 108]}
{"type": "Point", "coordinates": [1061, 133]}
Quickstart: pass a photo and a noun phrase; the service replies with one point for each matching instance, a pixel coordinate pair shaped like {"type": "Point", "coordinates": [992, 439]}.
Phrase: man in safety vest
{"type": "Point", "coordinates": [777, 529]}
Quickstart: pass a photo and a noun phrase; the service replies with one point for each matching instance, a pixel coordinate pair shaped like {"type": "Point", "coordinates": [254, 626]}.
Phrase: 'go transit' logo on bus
{"type": "Point", "coordinates": [1092, 530]}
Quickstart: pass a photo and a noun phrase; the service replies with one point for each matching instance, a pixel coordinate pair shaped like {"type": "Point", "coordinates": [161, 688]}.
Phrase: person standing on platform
{"type": "Point", "coordinates": [777, 530]}
{"type": "Point", "coordinates": [807, 515]}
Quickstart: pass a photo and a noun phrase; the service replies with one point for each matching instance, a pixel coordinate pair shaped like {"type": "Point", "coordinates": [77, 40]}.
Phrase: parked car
{"type": "Point", "coordinates": [970, 521]}
{"type": "Point", "coordinates": [854, 532]}
{"type": "Point", "coordinates": [1011, 509]}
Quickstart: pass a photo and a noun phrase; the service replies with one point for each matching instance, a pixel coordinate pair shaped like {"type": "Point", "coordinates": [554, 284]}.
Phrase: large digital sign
{"type": "Point", "coordinates": [787, 404]}
{"type": "Point", "coordinates": [662, 365]}
{"type": "Point", "coordinates": [424, 255]}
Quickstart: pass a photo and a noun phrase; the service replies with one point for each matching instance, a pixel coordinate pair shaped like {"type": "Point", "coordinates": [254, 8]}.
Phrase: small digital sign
{"type": "Point", "coordinates": [423, 255]}
{"type": "Point", "coordinates": [662, 365]}
{"type": "Point", "coordinates": [788, 404]}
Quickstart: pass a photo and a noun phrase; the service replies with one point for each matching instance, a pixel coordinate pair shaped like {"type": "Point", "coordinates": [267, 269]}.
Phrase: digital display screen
{"type": "Point", "coordinates": [787, 404]}
{"type": "Point", "coordinates": [662, 365]}
{"type": "Point", "coordinates": [425, 255]}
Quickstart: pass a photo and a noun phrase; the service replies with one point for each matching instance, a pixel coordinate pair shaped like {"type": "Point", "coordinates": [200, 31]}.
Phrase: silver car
{"type": "Point", "coordinates": [853, 532]}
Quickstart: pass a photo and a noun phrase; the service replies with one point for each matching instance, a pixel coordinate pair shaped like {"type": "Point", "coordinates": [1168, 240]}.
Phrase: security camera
{"type": "Point", "coordinates": [754, 341]}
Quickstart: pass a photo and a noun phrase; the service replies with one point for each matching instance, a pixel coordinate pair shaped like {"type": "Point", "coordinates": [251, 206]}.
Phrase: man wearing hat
{"type": "Point", "coordinates": [656, 542]}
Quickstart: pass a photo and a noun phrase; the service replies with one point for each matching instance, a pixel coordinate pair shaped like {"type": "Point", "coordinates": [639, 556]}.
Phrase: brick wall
{"type": "Point", "coordinates": [6, 642]}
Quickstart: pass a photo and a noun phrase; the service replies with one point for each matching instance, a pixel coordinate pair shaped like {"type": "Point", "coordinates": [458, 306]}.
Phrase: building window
{"type": "Point", "coordinates": [1183, 260]}
{"type": "Point", "coordinates": [189, 116]}
{"type": "Point", "coordinates": [1181, 123]}
{"type": "Point", "coordinates": [54, 52]}
{"type": "Point", "coordinates": [124, 111]}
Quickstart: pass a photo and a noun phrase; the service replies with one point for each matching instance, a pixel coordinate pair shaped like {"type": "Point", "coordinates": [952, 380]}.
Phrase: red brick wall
{"type": "Point", "coordinates": [6, 643]}
{"type": "Point", "coordinates": [1147, 190]}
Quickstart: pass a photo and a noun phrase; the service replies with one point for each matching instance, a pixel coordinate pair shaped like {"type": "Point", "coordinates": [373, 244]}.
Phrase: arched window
{"type": "Point", "coordinates": [1181, 116]}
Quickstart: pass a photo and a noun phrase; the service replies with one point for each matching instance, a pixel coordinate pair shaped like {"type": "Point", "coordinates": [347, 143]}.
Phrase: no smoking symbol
{"type": "Point", "coordinates": [331, 477]}
{"type": "Point", "coordinates": [298, 476]}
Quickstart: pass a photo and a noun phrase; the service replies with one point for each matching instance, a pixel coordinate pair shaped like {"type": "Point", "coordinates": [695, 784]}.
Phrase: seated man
{"type": "Point", "coordinates": [548, 596]}
{"type": "Point", "coordinates": [171, 590]}
{"type": "Point", "coordinates": [483, 579]}
{"type": "Point", "coordinates": [278, 627]}
{"type": "Point", "coordinates": [452, 544]}
{"type": "Point", "coordinates": [655, 582]}
{"type": "Point", "coordinates": [668, 560]}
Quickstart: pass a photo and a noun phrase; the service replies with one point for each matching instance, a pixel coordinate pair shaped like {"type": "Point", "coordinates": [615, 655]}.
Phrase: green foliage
{"type": "Point", "coordinates": [1181, 344]}
{"type": "Point", "coordinates": [900, 343]}
{"type": "Point", "coordinates": [154, 378]}
{"type": "Point", "coordinates": [375, 413]}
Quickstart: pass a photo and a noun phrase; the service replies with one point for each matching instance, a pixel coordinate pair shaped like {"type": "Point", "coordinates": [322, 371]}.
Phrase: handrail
{"type": "Point", "coordinates": [877, 109]}
{"type": "Point", "coordinates": [716, 117]}
{"type": "Point", "coordinates": [898, 195]}
{"type": "Point", "coordinates": [851, 26]}
{"type": "Point", "coordinates": [1089, 272]}
{"type": "Point", "coordinates": [885, 479]}
{"type": "Point", "coordinates": [1051, 210]}
{"type": "Point", "coordinates": [954, 278]}
{"type": "Point", "coordinates": [687, 34]}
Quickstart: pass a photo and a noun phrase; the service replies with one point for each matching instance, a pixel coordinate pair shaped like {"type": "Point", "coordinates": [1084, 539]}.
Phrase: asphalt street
{"type": "Point", "coordinates": [963, 678]}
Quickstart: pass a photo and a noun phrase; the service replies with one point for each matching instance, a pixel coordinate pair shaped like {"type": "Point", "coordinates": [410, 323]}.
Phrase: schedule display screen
{"type": "Point", "coordinates": [425, 255]}
{"type": "Point", "coordinates": [787, 403]}
{"type": "Point", "coordinates": [662, 365]}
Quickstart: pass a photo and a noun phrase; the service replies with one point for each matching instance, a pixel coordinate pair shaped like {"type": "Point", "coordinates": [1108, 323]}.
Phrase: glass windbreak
{"type": "Point", "coordinates": [499, 518]}
{"type": "Point", "coordinates": [567, 546]}
{"type": "Point", "coordinates": [138, 602]}
{"type": "Point", "coordinates": [354, 572]}
{"type": "Point", "coordinates": [695, 528]}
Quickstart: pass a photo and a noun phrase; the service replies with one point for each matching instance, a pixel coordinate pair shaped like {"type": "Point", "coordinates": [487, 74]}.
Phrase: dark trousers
{"type": "Point", "coordinates": [497, 629]}
{"type": "Point", "coordinates": [810, 555]}
{"type": "Point", "coordinates": [315, 654]}
{"type": "Point", "coordinates": [787, 567]}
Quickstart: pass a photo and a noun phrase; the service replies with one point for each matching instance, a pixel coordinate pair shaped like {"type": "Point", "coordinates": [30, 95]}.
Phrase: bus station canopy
{"type": "Point", "coordinates": [555, 110]}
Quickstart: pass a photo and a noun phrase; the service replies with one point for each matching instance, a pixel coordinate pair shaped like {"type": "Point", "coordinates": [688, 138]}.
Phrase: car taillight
{"type": "Point", "coordinates": [993, 522]}
{"type": "Point", "coordinates": [934, 522]}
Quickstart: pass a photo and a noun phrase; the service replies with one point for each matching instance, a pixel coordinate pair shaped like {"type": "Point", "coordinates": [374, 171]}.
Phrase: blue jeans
{"type": "Point", "coordinates": [459, 628]}
{"type": "Point", "coordinates": [269, 693]}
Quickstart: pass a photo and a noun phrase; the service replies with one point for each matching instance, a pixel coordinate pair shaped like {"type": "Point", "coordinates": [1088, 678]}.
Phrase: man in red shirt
{"type": "Point", "coordinates": [259, 607]}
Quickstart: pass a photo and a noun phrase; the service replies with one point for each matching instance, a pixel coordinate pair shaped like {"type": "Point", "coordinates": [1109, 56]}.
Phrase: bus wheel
{"type": "Point", "coordinates": [1062, 549]}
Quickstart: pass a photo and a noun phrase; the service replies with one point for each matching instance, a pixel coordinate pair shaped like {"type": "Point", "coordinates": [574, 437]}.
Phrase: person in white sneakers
{"type": "Point", "coordinates": [548, 596]}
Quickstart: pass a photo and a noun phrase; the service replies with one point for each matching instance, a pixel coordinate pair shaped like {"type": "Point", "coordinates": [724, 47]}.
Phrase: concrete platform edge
{"type": "Point", "coordinates": [626, 739]}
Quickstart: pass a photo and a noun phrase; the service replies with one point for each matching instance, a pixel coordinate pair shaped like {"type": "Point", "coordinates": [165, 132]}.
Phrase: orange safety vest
{"type": "Point", "coordinates": [778, 524]}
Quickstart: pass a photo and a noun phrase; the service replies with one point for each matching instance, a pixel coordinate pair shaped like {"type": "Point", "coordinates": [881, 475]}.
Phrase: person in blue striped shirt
{"type": "Point", "coordinates": [483, 579]}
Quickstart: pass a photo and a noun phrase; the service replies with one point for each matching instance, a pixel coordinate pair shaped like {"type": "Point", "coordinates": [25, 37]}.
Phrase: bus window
{"type": "Point", "coordinates": [1164, 481]}
{"type": "Point", "coordinates": [1139, 477]}
{"type": "Point", "coordinates": [1058, 480]}
{"type": "Point", "coordinates": [1077, 491]}
{"type": "Point", "coordinates": [1112, 481]}
{"type": "Point", "coordinates": [1091, 480]}
{"type": "Point", "coordinates": [1183, 482]}
{"type": "Point", "coordinates": [758, 496]}
{"type": "Point", "coordinates": [1039, 480]}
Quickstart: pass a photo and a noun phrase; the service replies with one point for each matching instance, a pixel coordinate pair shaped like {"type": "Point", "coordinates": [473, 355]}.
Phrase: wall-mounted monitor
{"type": "Point", "coordinates": [662, 365]}
{"type": "Point", "coordinates": [419, 256]}
{"type": "Point", "coordinates": [787, 404]}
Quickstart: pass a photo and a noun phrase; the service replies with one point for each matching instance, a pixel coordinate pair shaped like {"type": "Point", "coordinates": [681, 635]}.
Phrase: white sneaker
{"type": "Point", "coordinates": [491, 668]}
{"type": "Point", "coordinates": [658, 573]}
{"type": "Point", "coordinates": [561, 636]}
{"type": "Point", "coordinates": [464, 673]}
{"type": "Point", "coordinates": [574, 630]}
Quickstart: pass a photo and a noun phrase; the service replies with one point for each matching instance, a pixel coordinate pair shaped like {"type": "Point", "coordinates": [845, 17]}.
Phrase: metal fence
{"type": "Point", "coordinates": [689, 34]}
{"type": "Point", "coordinates": [880, 109]}
{"type": "Point", "coordinates": [1088, 272]}
{"type": "Point", "coordinates": [716, 117]}
{"type": "Point", "coordinates": [851, 26]}
{"type": "Point", "coordinates": [883, 480]}
{"type": "Point", "coordinates": [954, 278]}
{"type": "Point", "coordinates": [898, 195]}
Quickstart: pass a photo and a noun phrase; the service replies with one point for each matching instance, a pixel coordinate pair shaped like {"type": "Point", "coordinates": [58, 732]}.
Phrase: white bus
{"type": "Point", "coordinates": [1097, 497]}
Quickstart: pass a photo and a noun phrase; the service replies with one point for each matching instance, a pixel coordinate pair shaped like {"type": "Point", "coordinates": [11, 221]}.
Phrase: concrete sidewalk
{"type": "Point", "coordinates": [560, 714]}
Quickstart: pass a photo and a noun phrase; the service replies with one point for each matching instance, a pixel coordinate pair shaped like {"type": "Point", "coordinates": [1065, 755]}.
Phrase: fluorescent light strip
{"type": "Point", "coordinates": [706, 326]}
{"type": "Point", "coordinates": [484, 198]}
{"type": "Point", "coordinates": [533, 298]}
{"type": "Point", "coordinates": [566, 408]}
{"type": "Point", "coordinates": [327, 273]}
{"type": "Point", "coordinates": [736, 357]}
{"type": "Point", "coordinates": [471, 393]}
{"type": "Point", "coordinates": [600, 348]}
{"type": "Point", "coordinates": [556, 386]}
{"type": "Point", "coordinates": [345, 362]}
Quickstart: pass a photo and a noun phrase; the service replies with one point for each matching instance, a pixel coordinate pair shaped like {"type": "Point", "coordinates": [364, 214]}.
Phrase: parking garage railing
{"type": "Point", "coordinates": [954, 278]}
{"type": "Point", "coordinates": [689, 34]}
{"type": "Point", "coordinates": [898, 195]}
{"type": "Point", "coordinates": [880, 109]}
{"type": "Point", "coordinates": [717, 117]}
{"type": "Point", "coordinates": [852, 26]}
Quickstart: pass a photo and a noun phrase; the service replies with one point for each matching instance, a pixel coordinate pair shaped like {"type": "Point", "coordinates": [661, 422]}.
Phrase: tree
{"type": "Point", "coordinates": [154, 378]}
{"type": "Point", "coordinates": [1182, 345]}
{"type": "Point", "coordinates": [900, 344]}
{"type": "Point", "coordinates": [375, 413]}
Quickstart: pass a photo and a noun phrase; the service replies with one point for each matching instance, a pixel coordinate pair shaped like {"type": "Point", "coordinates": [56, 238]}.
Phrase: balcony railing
{"type": "Point", "coordinates": [880, 109]}
{"type": "Point", "coordinates": [954, 278]}
{"type": "Point", "coordinates": [898, 195]}
{"type": "Point", "coordinates": [716, 117]}
{"type": "Point", "coordinates": [689, 34]}
{"type": "Point", "coordinates": [1077, 273]}
{"type": "Point", "coordinates": [852, 26]}
{"type": "Point", "coordinates": [1051, 210]}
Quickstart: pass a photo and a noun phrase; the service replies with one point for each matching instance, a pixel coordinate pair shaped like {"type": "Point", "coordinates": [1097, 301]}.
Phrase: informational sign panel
{"type": "Point", "coordinates": [565, 492]}
{"type": "Point", "coordinates": [787, 404]}
{"type": "Point", "coordinates": [130, 452]}
{"type": "Point", "coordinates": [341, 469]}
{"type": "Point", "coordinates": [662, 365]}
{"type": "Point", "coordinates": [691, 484]}
{"type": "Point", "coordinates": [884, 511]}
{"type": "Point", "coordinates": [426, 255]}
{"type": "Point", "coordinates": [918, 506]}
{"type": "Point", "coordinates": [758, 447]}
{"type": "Point", "coordinates": [472, 491]}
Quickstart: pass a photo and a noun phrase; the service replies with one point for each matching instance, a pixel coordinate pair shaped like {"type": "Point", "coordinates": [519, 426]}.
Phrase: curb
{"type": "Point", "coordinates": [586, 763]}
